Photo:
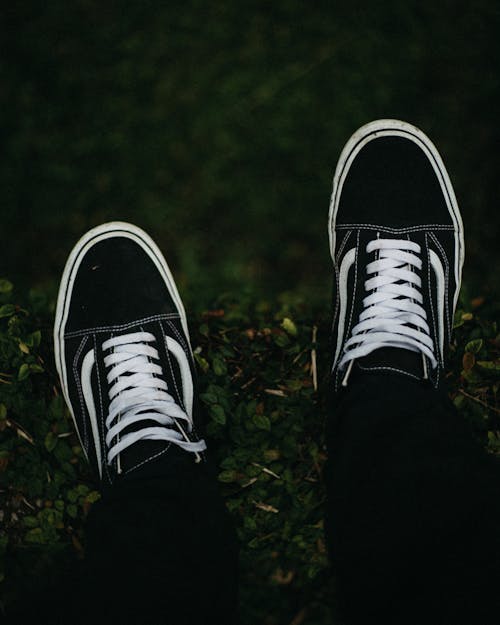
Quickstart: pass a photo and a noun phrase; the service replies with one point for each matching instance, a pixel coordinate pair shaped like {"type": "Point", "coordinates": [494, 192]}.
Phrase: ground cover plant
{"type": "Point", "coordinates": [262, 372]}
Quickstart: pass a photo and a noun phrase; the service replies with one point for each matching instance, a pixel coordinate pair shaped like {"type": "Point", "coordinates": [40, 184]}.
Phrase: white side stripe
{"type": "Point", "coordinates": [87, 366]}
{"type": "Point", "coordinates": [440, 282]}
{"type": "Point", "coordinates": [187, 381]}
{"type": "Point", "coordinates": [347, 263]}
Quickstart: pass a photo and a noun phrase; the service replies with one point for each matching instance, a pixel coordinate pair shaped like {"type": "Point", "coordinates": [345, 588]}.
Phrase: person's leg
{"type": "Point", "coordinates": [413, 508]}
{"type": "Point", "coordinates": [162, 550]}
{"type": "Point", "coordinates": [412, 500]}
{"type": "Point", "coordinates": [159, 545]}
{"type": "Point", "coordinates": [157, 551]}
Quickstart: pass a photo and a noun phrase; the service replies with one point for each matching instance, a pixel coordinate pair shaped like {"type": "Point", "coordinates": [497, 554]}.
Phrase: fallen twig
{"type": "Point", "coordinates": [313, 360]}
{"type": "Point", "coordinates": [479, 401]}
{"type": "Point", "coordinates": [266, 470]}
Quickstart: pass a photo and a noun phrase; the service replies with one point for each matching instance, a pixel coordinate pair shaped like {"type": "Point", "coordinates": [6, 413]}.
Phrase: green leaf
{"type": "Point", "coordinates": [271, 454]}
{"type": "Point", "coordinates": [72, 495]}
{"type": "Point", "coordinates": [288, 325]}
{"type": "Point", "coordinates": [489, 365]}
{"type": "Point", "coordinates": [24, 371]}
{"type": "Point", "coordinates": [24, 348]}
{"type": "Point", "coordinates": [7, 310]}
{"type": "Point", "coordinates": [63, 451]}
{"type": "Point", "coordinates": [30, 521]}
{"type": "Point", "coordinates": [474, 346]}
{"type": "Point", "coordinates": [35, 536]}
{"type": "Point", "coordinates": [51, 441]}
{"type": "Point", "coordinates": [282, 340]}
{"type": "Point", "coordinates": [93, 496]}
{"type": "Point", "coordinates": [35, 338]}
{"type": "Point", "coordinates": [262, 422]}
{"type": "Point", "coordinates": [251, 407]}
{"type": "Point", "coordinates": [218, 414]}
{"type": "Point", "coordinates": [219, 366]}
{"type": "Point", "coordinates": [202, 363]}
{"type": "Point", "coordinates": [72, 510]}
{"type": "Point", "coordinates": [209, 398]}
{"type": "Point", "coordinates": [294, 385]}
{"type": "Point", "coordinates": [5, 286]}
{"type": "Point", "coordinates": [3, 411]}
{"type": "Point", "coordinates": [228, 476]}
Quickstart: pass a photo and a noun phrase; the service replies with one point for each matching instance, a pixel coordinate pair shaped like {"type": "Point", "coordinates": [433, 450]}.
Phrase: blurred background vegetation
{"type": "Point", "coordinates": [217, 125]}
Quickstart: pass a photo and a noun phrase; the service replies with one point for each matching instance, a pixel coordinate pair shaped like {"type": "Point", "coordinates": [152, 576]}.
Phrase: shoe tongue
{"type": "Point", "coordinates": [140, 453]}
{"type": "Point", "coordinates": [147, 459]}
{"type": "Point", "coordinates": [393, 360]}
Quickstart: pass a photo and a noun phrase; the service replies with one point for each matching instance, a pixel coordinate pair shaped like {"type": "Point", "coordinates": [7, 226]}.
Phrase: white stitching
{"type": "Point", "coordinates": [179, 397]}
{"type": "Point", "coordinates": [143, 462]}
{"type": "Point", "coordinates": [337, 297]}
{"type": "Point", "coordinates": [80, 392]}
{"type": "Point", "coordinates": [342, 245]}
{"type": "Point", "coordinates": [411, 375]}
{"type": "Point", "coordinates": [123, 326]}
{"type": "Point", "coordinates": [347, 332]}
{"type": "Point", "coordinates": [182, 340]}
{"type": "Point", "coordinates": [103, 425]}
{"type": "Point", "coordinates": [430, 300]}
{"type": "Point", "coordinates": [395, 230]}
{"type": "Point", "coordinates": [447, 278]}
{"type": "Point", "coordinates": [188, 354]}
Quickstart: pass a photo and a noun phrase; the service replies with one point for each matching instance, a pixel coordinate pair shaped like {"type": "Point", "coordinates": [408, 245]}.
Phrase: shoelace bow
{"type": "Point", "coordinates": [138, 395]}
{"type": "Point", "coordinates": [393, 315]}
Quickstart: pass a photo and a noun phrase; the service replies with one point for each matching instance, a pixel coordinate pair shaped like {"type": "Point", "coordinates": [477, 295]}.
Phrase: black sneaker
{"type": "Point", "coordinates": [123, 354]}
{"type": "Point", "coordinates": [396, 239]}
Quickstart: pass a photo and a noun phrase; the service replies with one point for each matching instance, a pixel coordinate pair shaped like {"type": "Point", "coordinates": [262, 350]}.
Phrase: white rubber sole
{"type": "Point", "coordinates": [395, 127]}
{"type": "Point", "coordinates": [93, 236]}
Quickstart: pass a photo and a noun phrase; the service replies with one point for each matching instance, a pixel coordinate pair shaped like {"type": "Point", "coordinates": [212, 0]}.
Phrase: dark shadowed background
{"type": "Point", "coordinates": [217, 125]}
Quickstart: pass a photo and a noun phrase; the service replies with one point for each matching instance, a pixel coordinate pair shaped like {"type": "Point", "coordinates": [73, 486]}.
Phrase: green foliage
{"type": "Point", "coordinates": [265, 423]}
{"type": "Point", "coordinates": [44, 488]}
{"type": "Point", "coordinates": [476, 371]}
{"type": "Point", "coordinates": [217, 125]}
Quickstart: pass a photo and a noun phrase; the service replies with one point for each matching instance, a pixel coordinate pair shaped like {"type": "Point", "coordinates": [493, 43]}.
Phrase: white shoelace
{"type": "Point", "coordinates": [136, 395]}
{"type": "Point", "coordinates": [392, 315]}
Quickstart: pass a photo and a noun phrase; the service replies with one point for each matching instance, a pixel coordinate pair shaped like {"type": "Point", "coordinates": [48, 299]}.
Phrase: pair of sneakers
{"type": "Point", "coordinates": [121, 337]}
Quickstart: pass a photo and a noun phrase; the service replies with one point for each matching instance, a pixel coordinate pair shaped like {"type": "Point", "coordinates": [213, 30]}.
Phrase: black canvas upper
{"type": "Point", "coordinates": [391, 182]}
{"type": "Point", "coordinates": [117, 283]}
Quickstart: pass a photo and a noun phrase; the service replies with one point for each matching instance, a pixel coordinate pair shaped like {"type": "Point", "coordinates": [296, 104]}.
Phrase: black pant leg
{"type": "Point", "coordinates": [162, 550]}
{"type": "Point", "coordinates": [413, 508]}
